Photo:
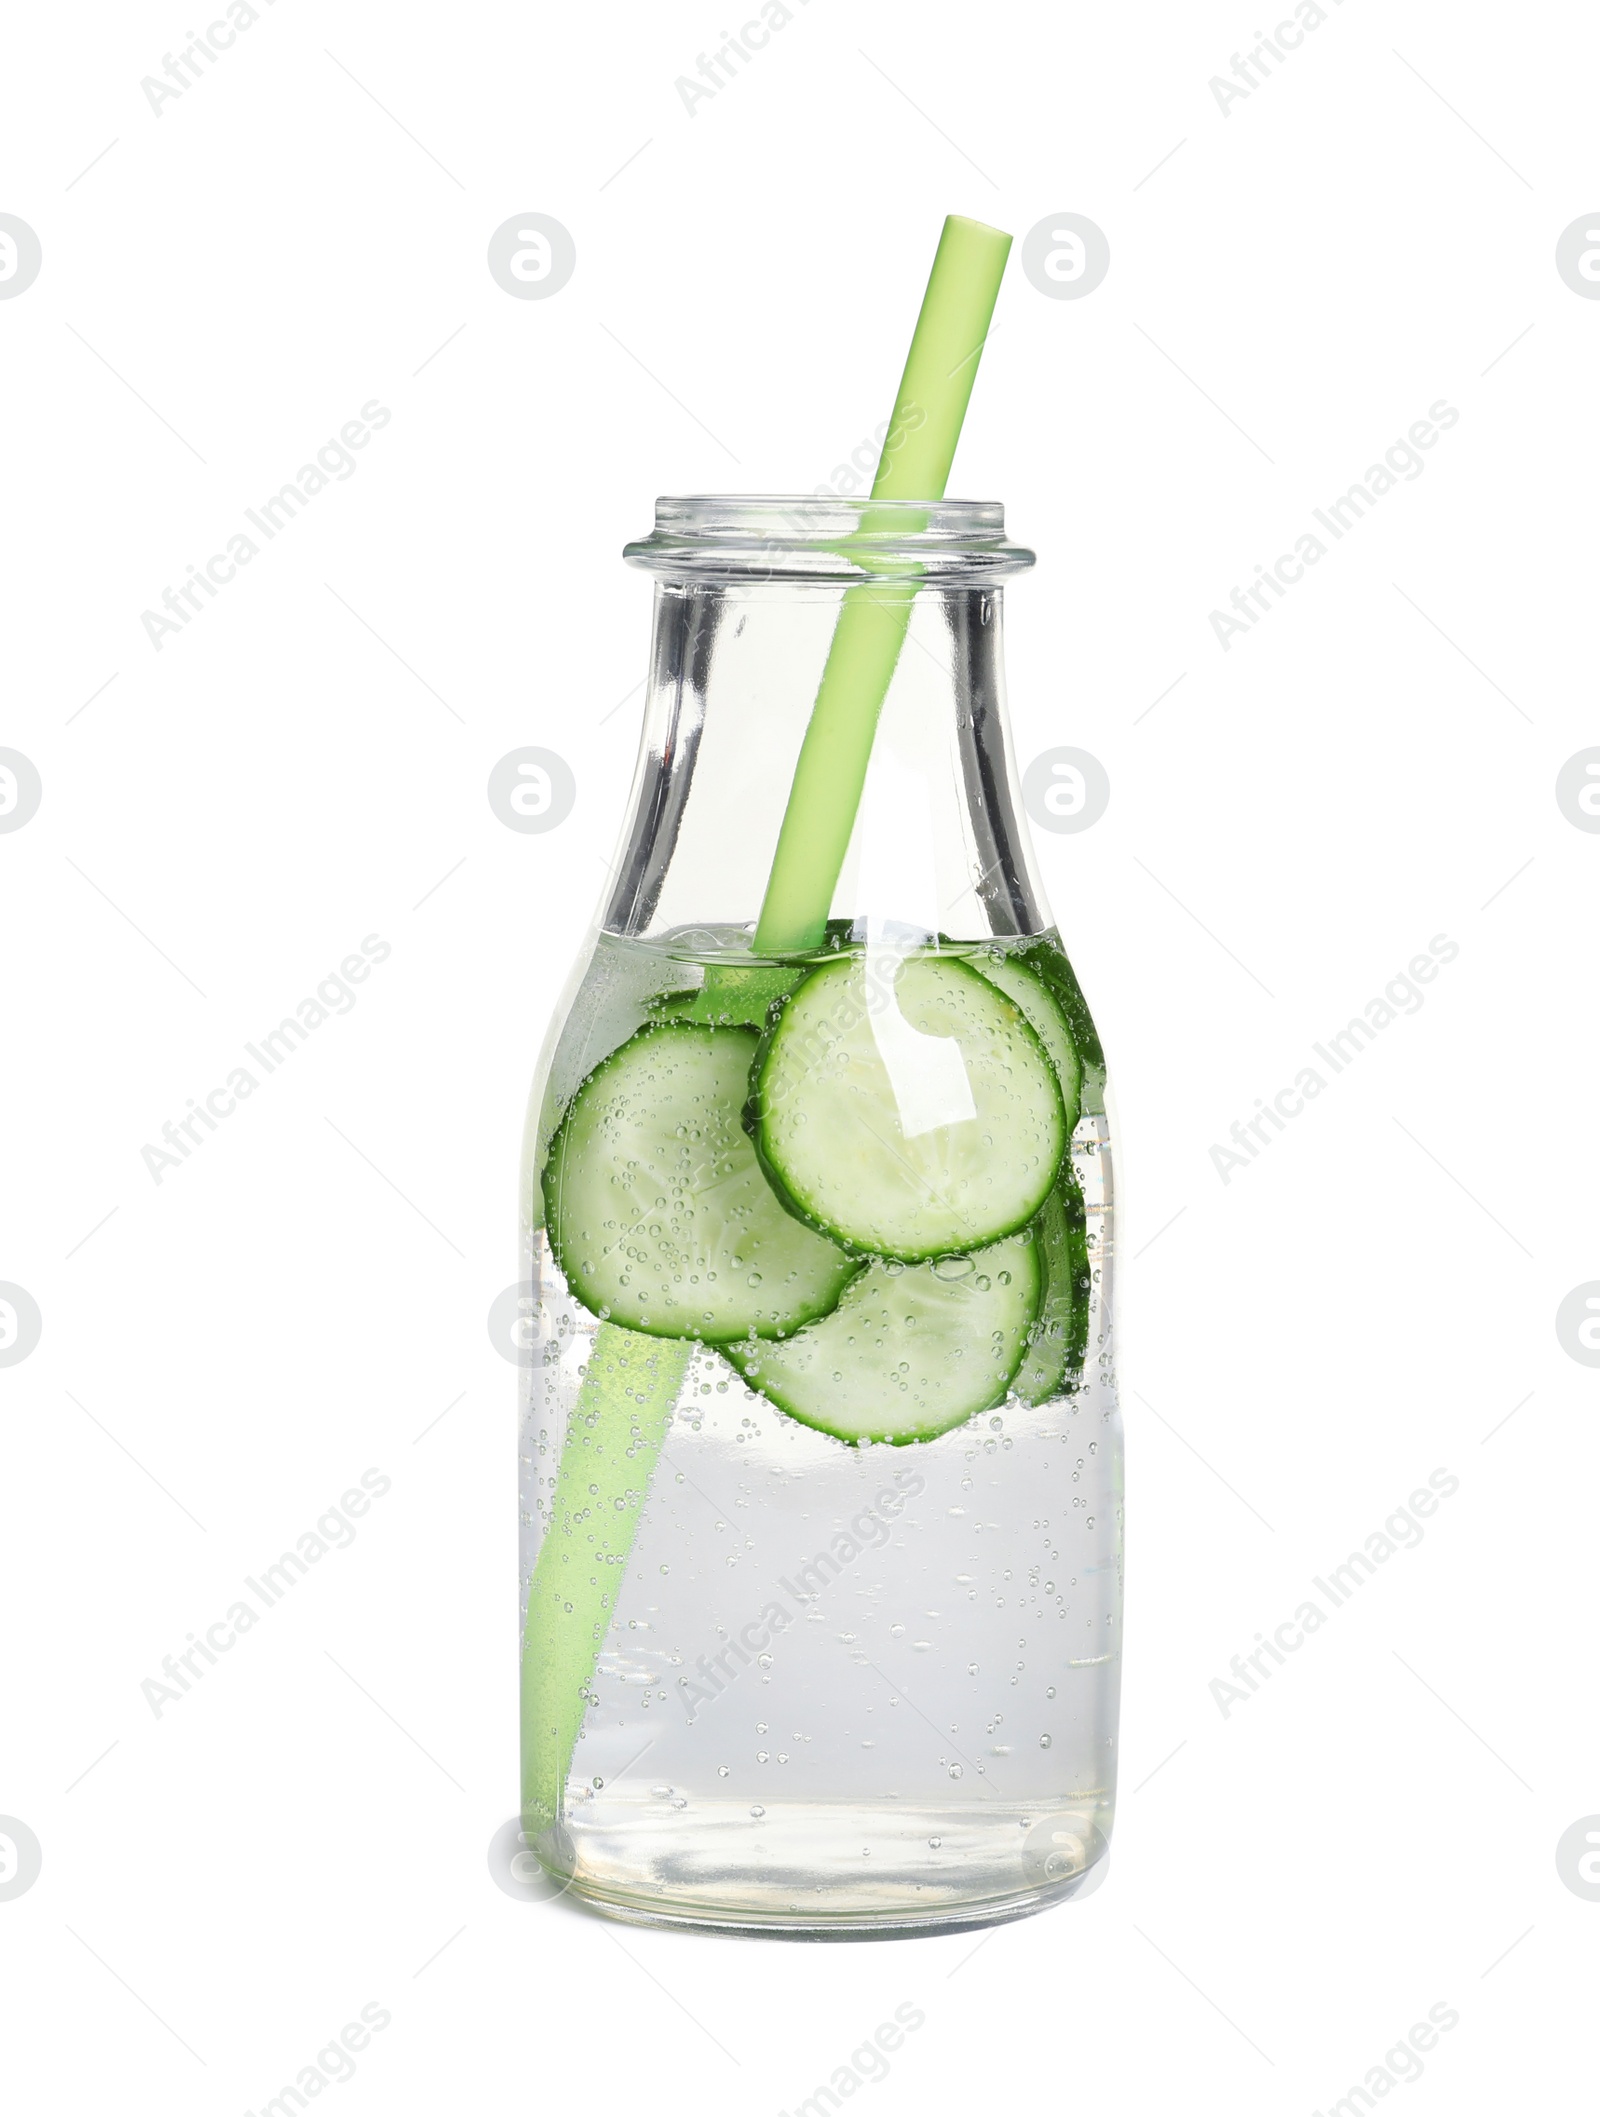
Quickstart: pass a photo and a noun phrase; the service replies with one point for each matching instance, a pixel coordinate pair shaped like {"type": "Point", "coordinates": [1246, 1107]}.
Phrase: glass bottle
{"type": "Point", "coordinates": [821, 1606]}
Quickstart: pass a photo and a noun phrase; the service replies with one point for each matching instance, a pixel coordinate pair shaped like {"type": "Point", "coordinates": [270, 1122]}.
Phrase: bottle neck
{"type": "Point", "coordinates": [937, 848]}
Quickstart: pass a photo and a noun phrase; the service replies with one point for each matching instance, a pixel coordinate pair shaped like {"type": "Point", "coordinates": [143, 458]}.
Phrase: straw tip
{"type": "Point", "coordinates": [970, 226]}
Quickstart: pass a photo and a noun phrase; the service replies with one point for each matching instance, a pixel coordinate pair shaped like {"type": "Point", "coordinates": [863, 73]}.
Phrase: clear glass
{"type": "Point", "coordinates": [773, 1680]}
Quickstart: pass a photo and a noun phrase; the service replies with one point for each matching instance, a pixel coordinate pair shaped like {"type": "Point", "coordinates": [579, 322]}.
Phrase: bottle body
{"type": "Point", "coordinates": [821, 1574]}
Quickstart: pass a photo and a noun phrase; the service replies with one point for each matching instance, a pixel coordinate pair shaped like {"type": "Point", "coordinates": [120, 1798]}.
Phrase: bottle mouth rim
{"type": "Point", "coordinates": [812, 536]}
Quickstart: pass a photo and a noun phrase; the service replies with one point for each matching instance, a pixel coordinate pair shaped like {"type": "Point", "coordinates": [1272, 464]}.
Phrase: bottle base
{"type": "Point", "coordinates": [851, 1926]}
{"type": "Point", "coordinates": [841, 1875]}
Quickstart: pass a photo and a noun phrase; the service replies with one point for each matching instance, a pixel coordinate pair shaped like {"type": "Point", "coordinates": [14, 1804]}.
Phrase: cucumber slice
{"type": "Point", "coordinates": [729, 996]}
{"type": "Point", "coordinates": [903, 1106]}
{"type": "Point", "coordinates": [1048, 1019]}
{"type": "Point", "coordinates": [911, 1350]}
{"type": "Point", "coordinates": [658, 1212]}
{"type": "Point", "coordinates": [1047, 959]}
{"type": "Point", "coordinates": [1056, 1347]}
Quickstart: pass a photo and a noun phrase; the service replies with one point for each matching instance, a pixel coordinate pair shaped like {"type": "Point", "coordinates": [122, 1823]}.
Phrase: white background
{"type": "Point", "coordinates": [1294, 1884]}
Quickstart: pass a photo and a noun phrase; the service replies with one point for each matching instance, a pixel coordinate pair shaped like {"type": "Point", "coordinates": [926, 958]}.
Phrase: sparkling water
{"type": "Point", "coordinates": [843, 1687]}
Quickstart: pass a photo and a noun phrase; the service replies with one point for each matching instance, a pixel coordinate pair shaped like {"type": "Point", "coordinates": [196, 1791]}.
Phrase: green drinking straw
{"type": "Point", "coordinates": [631, 1382]}
{"type": "Point", "coordinates": [915, 465]}
{"type": "Point", "coordinates": [607, 1461]}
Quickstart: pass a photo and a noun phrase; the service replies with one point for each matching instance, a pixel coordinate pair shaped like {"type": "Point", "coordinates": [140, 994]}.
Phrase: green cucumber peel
{"type": "Point", "coordinates": [657, 1210]}
{"type": "Point", "coordinates": [861, 1177]}
{"type": "Point", "coordinates": [911, 1351]}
